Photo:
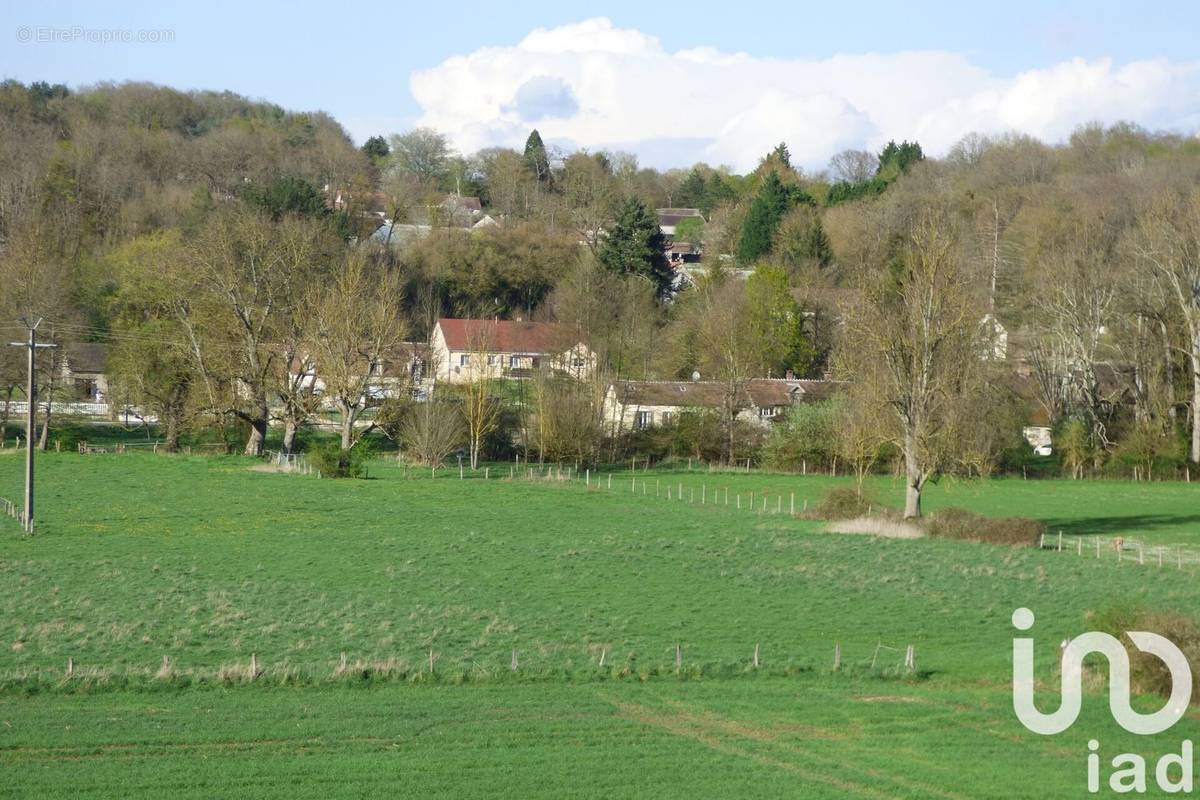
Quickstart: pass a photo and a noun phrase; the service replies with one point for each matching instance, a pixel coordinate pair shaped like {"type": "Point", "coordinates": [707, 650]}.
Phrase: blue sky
{"type": "Point", "coordinates": [363, 63]}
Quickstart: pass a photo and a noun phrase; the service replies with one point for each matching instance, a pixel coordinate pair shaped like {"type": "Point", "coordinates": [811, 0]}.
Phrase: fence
{"type": "Point", "coordinates": [291, 462]}
{"type": "Point", "coordinates": [886, 661]}
{"type": "Point", "coordinates": [1122, 549]}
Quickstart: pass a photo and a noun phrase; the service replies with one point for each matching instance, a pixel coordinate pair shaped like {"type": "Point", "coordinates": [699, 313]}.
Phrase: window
{"type": "Point", "coordinates": [578, 362]}
{"type": "Point", "coordinates": [463, 358]}
{"type": "Point", "coordinates": [667, 418]}
{"type": "Point", "coordinates": [767, 411]}
{"type": "Point", "coordinates": [514, 362]}
{"type": "Point", "coordinates": [492, 359]}
{"type": "Point", "coordinates": [645, 419]}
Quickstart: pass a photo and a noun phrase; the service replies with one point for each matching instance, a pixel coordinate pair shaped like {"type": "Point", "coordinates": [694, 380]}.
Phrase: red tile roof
{"type": "Point", "coordinates": [507, 336]}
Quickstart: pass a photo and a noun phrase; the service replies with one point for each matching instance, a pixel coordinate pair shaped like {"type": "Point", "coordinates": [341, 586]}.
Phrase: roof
{"type": "Point", "coordinates": [86, 357]}
{"type": "Point", "coordinates": [672, 216]}
{"type": "Point", "coordinates": [759, 392]}
{"type": "Point", "coordinates": [507, 336]}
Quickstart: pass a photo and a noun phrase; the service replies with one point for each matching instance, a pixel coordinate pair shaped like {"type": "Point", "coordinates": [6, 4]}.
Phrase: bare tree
{"type": "Point", "coordinates": [1168, 241]}
{"type": "Point", "coordinates": [431, 431]}
{"type": "Point", "coordinates": [728, 350]}
{"type": "Point", "coordinates": [913, 339]}
{"type": "Point", "coordinates": [480, 405]}
{"type": "Point", "coordinates": [230, 292]}
{"type": "Point", "coordinates": [853, 166]}
{"type": "Point", "coordinates": [356, 325]}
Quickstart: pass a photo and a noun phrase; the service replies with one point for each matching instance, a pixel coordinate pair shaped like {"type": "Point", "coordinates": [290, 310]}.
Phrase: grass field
{"type": "Point", "coordinates": [206, 561]}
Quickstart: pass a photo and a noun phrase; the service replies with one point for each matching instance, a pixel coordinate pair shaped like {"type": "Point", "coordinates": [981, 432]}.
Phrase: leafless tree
{"type": "Point", "coordinates": [912, 338]}
{"type": "Point", "coordinates": [356, 325]}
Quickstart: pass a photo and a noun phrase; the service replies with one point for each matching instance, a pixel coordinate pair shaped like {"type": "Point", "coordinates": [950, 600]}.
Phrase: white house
{"type": "Point", "coordinates": [463, 350]}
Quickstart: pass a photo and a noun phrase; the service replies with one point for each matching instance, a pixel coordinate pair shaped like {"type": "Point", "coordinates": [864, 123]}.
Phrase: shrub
{"type": "Point", "coordinates": [334, 462]}
{"type": "Point", "coordinates": [1148, 673]}
{"type": "Point", "coordinates": [844, 502]}
{"type": "Point", "coordinates": [957, 523]}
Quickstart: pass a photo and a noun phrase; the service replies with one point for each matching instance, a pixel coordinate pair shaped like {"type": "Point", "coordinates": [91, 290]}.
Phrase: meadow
{"type": "Point", "coordinates": [516, 590]}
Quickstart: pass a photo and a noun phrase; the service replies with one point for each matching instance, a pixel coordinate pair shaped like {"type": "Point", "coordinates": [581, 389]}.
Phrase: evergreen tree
{"type": "Point", "coordinates": [758, 229]}
{"type": "Point", "coordinates": [536, 158]}
{"type": "Point", "coordinates": [288, 195]}
{"type": "Point", "coordinates": [376, 148]}
{"type": "Point", "coordinates": [635, 245]}
{"type": "Point", "coordinates": [692, 191]}
{"type": "Point", "coordinates": [717, 191]}
{"type": "Point", "coordinates": [782, 153]}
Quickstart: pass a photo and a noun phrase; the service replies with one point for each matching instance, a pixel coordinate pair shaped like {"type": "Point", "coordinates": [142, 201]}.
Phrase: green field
{"type": "Point", "coordinates": [207, 561]}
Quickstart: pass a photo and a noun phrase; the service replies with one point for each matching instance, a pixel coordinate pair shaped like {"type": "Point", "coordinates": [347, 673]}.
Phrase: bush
{"type": "Point", "coordinates": [1148, 673]}
{"type": "Point", "coordinates": [844, 502]}
{"type": "Point", "coordinates": [957, 523]}
{"type": "Point", "coordinates": [334, 462]}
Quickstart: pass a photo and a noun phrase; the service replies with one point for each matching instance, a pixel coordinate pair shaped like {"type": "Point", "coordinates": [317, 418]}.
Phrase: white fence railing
{"type": "Point", "coordinates": [1123, 549]}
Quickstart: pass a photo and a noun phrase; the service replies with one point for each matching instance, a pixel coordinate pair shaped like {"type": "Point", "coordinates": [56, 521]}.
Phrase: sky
{"type": "Point", "coordinates": [673, 83]}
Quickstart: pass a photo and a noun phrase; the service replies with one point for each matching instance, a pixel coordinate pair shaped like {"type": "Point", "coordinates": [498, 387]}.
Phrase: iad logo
{"type": "Point", "coordinates": [1118, 680]}
{"type": "Point", "coordinates": [1132, 772]}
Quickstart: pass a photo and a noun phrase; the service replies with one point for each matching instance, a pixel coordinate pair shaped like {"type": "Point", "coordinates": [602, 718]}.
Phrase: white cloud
{"type": "Point", "coordinates": [593, 85]}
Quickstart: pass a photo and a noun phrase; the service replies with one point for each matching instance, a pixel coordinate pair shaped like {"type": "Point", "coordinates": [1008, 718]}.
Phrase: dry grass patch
{"type": "Point", "coordinates": [877, 526]}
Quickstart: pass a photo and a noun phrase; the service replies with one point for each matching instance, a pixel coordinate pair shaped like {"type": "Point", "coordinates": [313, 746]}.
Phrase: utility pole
{"type": "Point", "coordinates": [31, 420]}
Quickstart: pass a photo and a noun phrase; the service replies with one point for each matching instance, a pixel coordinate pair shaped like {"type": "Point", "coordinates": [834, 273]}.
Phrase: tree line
{"type": "Point", "coordinates": [1011, 281]}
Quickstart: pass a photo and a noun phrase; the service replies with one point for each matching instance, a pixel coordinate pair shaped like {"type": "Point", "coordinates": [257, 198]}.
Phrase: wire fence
{"type": "Point", "coordinates": [1122, 549]}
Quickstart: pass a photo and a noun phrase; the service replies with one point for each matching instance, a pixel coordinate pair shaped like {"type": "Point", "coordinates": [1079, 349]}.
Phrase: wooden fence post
{"type": "Point", "coordinates": [678, 657]}
{"type": "Point", "coordinates": [837, 657]}
{"type": "Point", "coordinates": [756, 656]}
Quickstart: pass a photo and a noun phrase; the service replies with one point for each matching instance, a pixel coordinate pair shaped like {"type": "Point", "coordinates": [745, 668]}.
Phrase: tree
{"type": "Point", "coordinates": [776, 323]}
{"type": "Point", "coordinates": [692, 192]}
{"type": "Point", "coordinates": [728, 350]}
{"type": "Point", "coordinates": [1168, 242]}
{"type": "Point", "coordinates": [801, 242]}
{"type": "Point", "coordinates": [758, 229]}
{"type": "Point", "coordinates": [782, 153]}
{"type": "Point", "coordinates": [635, 245]}
{"type": "Point", "coordinates": [912, 339]}
{"type": "Point", "coordinates": [897, 158]}
{"type": "Point", "coordinates": [356, 326]}
{"type": "Point", "coordinates": [853, 166]}
{"type": "Point", "coordinates": [286, 195]}
{"type": "Point", "coordinates": [422, 152]}
{"type": "Point", "coordinates": [481, 407]}
{"type": "Point", "coordinates": [376, 148]}
{"type": "Point", "coordinates": [536, 158]}
{"type": "Point", "coordinates": [431, 431]}
{"type": "Point", "coordinates": [230, 291]}
{"type": "Point", "coordinates": [590, 194]}
{"type": "Point", "coordinates": [149, 365]}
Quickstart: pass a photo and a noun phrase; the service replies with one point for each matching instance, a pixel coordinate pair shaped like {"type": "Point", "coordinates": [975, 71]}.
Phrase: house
{"type": "Point", "coordinates": [668, 218]}
{"type": "Point", "coordinates": [634, 405]}
{"type": "Point", "coordinates": [463, 350]}
{"type": "Point", "coordinates": [84, 367]}
{"type": "Point", "coordinates": [679, 253]}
